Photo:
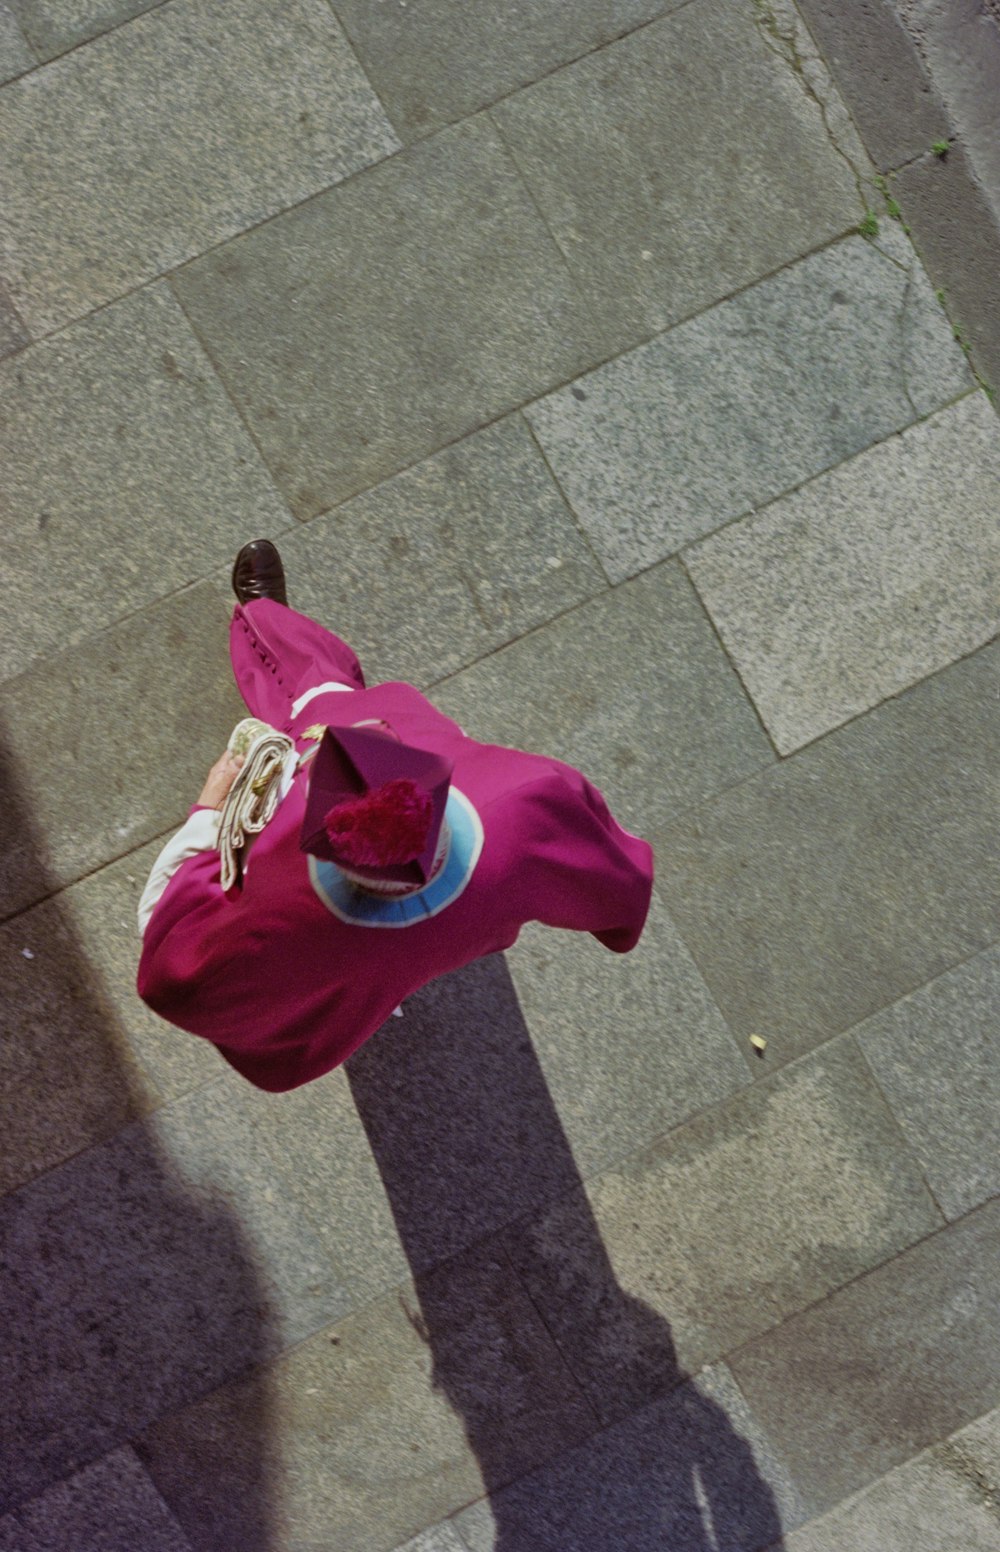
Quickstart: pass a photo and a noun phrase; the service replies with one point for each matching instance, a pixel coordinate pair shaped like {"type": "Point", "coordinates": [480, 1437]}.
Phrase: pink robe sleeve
{"type": "Point", "coordinates": [585, 871]}
{"type": "Point", "coordinates": [179, 947]}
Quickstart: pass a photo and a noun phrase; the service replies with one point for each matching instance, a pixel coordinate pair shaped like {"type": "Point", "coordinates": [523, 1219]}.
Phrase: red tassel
{"type": "Point", "coordinates": [385, 827]}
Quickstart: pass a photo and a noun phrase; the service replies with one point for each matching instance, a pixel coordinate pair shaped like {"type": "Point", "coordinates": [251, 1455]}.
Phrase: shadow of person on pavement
{"type": "Point", "coordinates": [128, 1287]}
{"type": "Point", "coordinates": [467, 1139]}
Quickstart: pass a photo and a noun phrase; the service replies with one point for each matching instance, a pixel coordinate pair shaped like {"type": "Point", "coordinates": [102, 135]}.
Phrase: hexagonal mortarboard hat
{"type": "Point", "coordinates": [375, 805]}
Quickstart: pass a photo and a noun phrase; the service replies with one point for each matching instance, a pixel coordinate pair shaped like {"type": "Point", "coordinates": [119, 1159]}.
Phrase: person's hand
{"type": "Point", "coordinates": [219, 780]}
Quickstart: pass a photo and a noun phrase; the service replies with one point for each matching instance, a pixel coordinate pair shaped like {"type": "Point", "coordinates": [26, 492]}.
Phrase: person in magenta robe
{"type": "Point", "coordinates": [399, 849]}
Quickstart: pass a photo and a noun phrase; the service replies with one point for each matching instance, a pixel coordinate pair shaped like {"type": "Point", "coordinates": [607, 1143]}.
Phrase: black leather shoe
{"type": "Point", "coordinates": [258, 573]}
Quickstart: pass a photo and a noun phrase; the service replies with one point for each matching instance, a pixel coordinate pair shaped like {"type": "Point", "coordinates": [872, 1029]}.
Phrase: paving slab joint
{"type": "Point", "coordinates": [903, 320]}
{"type": "Point", "coordinates": [682, 558]}
{"type": "Point", "coordinates": [221, 379]}
{"type": "Point", "coordinates": [958, 330]}
{"type": "Point", "coordinates": [583, 531]}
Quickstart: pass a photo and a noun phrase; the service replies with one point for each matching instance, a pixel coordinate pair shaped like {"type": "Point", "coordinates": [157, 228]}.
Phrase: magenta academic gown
{"type": "Point", "coordinates": [280, 977]}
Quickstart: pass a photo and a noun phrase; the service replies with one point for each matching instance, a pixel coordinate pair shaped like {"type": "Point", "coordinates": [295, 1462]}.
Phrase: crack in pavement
{"type": "Point", "coordinates": [785, 35]}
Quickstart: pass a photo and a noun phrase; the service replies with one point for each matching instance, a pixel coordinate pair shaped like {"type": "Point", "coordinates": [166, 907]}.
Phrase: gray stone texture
{"type": "Point", "coordinates": [751, 1211]}
{"type": "Point", "coordinates": [215, 1159]}
{"type": "Point", "coordinates": [941, 198]}
{"type": "Point", "coordinates": [440, 1130]}
{"type": "Point", "coordinates": [895, 1362]}
{"type": "Point", "coordinates": [440, 1538]}
{"type": "Point", "coordinates": [960, 43]}
{"type": "Point", "coordinates": [583, 687]}
{"type": "Point", "coordinates": [15, 51]}
{"type": "Point", "coordinates": [937, 1060]}
{"type": "Point", "coordinates": [458, 1114]}
{"type": "Point", "coordinates": [323, 1168]}
{"type": "Point", "coordinates": [158, 685]}
{"type": "Point", "coordinates": [689, 1473]}
{"type": "Point", "coordinates": [110, 1506]}
{"type": "Point", "coordinates": [67, 1076]}
{"type": "Point", "coordinates": [945, 1500]}
{"type": "Point", "coordinates": [730, 409]}
{"type": "Point", "coordinates": [877, 67]}
{"type": "Point", "coordinates": [392, 315]}
{"type": "Point", "coordinates": [823, 890]}
{"type": "Point", "coordinates": [439, 61]}
{"type": "Point", "coordinates": [55, 26]}
{"type": "Point", "coordinates": [389, 1420]}
{"type": "Point", "coordinates": [448, 561]}
{"type": "Point", "coordinates": [80, 1055]}
{"type": "Point", "coordinates": [449, 1298]}
{"type": "Point", "coordinates": [119, 427]}
{"type": "Point", "coordinates": [140, 1275]}
{"type": "Point", "coordinates": [653, 1049]}
{"type": "Point", "coordinates": [865, 580]}
{"type": "Point", "coordinates": [673, 173]}
{"type": "Point", "coordinates": [192, 123]}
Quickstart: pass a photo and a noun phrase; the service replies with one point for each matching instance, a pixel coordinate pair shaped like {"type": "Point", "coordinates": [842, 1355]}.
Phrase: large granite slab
{"type": "Point", "coordinates": [110, 1506]}
{"type": "Point", "coordinates": [322, 1165]}
{"type": "Point", "coordinates": [631, 1045]}
{"type": "Point", "coordinates": [382, 1424]}
{"type": "Point", "coordinates": [633, 688]}
{"type": "Point", "coordinates": [140, 1275]}
{"type": "Point", "coordinates": [724, 412]}
{"type": "Point", "coordinates": [491, 1095]}
{"type": "Point", "coordinates": [442, 1127]}
{"type": "Point", "coordinates": [624, 1051]}
{"type": "Point", "coordinates": [827, 887]}
{"type": "Point", "coordinates": [893, 1363]}
{"type": "Point", "coordinates": [690, 1472]}
{"type": "Point", "coordinates": [673, 173]}
{"type": "Point", "coordinates": [127, 474]}
{"type": "Point", "coordinates": [719, 1231]}
{"type": "Point", "coordinates": [865, 580]}
{"type": "Point", "coordinates": [109, 746]}
{"type": "Point", "coordinates": [440, 61]}
{"type": "Point", "coordinates": [936, 1059]}
{"type": "Point", "coordinates": [447, 561]}
{"type": "Point", "coordinates": [944, 1500]}
{"type": "Point", "coordinates": [163, 138]}
{"type": "Point", "coordinates": [390, 316]}
{"type": "Point", "coordinates": [461, 1133]}
{"type": "Point", "coordinates": [438, 1131]}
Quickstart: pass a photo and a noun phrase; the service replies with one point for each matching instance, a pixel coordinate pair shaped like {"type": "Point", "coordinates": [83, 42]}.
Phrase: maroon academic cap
{"type": "Point", "coordinates": [372, 801]}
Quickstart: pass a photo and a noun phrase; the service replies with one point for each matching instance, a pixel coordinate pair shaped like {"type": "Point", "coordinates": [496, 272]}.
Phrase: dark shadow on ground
{"type": "Point", "coordinates": [467, 1139]}
{"type": "Point", "coordinates": [126, 1292]}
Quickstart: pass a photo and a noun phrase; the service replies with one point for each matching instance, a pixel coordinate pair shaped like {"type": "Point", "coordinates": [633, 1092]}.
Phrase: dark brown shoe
{"type": "Point", "coordinates": [258, 573]}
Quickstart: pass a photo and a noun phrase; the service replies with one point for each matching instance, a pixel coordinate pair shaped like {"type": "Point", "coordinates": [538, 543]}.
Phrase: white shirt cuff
{"type": "Point", "coordinates": [200, 832]}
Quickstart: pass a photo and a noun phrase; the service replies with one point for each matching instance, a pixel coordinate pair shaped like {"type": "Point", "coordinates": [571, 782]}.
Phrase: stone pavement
{"type": "Point", "coordinates": [544, 340]}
